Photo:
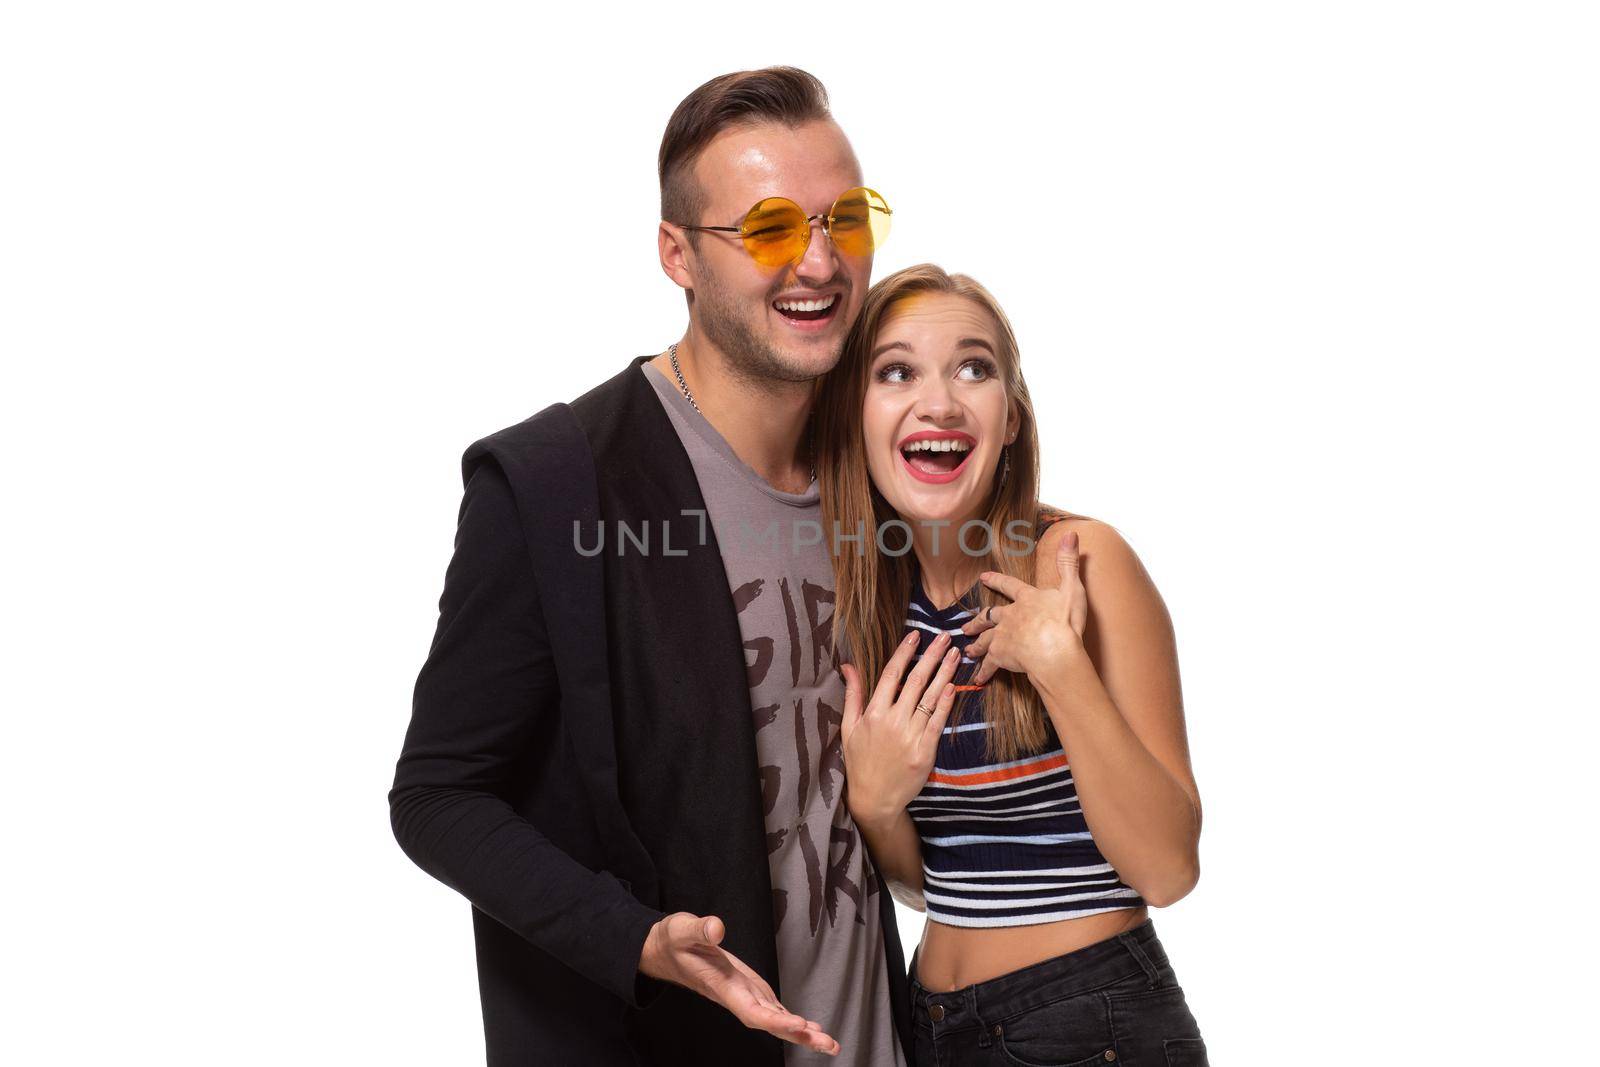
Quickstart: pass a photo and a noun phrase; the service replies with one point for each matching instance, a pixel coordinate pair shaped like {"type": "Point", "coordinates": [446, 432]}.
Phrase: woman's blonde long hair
{"type": "Point", "coordinates": [874, 587]}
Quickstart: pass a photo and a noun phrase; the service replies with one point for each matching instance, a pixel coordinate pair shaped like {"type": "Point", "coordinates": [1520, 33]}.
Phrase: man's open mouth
{"type": "Point", "coordinates": [818, 310]}
{"type": "Point", "coordinates": [937, 456]}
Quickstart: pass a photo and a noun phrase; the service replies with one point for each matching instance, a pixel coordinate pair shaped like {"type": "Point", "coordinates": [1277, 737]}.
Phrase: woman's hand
{"type": "Point", "coordinates": [1040, 630]}
{"type": "Point", "coordinates": [889, 742]}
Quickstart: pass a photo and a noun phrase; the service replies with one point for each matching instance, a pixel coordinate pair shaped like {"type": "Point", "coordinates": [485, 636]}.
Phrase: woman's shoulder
{"type": "Point", "coordinates": [1054, 523]}
{"type": "Point", "coordinates": [1095, 537]}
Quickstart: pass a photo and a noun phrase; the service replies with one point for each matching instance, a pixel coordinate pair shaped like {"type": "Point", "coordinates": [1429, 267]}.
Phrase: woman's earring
{"type": "Point", "coordinates": [1005, 467]}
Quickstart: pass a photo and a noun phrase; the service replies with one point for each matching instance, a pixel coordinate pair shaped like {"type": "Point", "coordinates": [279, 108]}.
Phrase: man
{"type": "Point", "coordinates": [624, 746]}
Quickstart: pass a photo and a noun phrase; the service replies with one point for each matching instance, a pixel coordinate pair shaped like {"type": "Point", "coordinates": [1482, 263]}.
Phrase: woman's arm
{"type": "Point", "coordinates": [897, 853]}
{"type": "Point", "coordinates": [1096, 641]}
{"type": "Point", "coordinates": [889, 744]}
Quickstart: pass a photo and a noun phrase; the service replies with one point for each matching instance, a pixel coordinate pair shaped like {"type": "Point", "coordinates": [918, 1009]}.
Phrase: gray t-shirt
{"type": "Point", "coordinates": [832, 966]}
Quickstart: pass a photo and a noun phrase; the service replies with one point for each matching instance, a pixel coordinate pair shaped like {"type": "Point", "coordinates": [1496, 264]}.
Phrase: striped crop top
{"type": "Point", "coordinates": [1003, 843]}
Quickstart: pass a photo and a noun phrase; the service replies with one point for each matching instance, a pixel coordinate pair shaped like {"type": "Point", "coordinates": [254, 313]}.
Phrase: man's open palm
{"type": "Point", "coordinates": [687, 950]}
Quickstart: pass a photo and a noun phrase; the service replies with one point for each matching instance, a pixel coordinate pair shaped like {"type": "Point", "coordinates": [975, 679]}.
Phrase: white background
{"type": "Point", "coordinates": [1307, 300]}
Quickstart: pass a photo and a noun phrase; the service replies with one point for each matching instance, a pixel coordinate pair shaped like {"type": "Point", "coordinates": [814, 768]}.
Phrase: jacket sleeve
{"type": "Point", "coordinates": [486, 694]}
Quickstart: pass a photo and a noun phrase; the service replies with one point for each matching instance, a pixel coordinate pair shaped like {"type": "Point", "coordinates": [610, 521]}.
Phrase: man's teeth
{"type": "Point", "coordinates": [804, 305]}
{"type": "Point", "coordinates": [948, 445]}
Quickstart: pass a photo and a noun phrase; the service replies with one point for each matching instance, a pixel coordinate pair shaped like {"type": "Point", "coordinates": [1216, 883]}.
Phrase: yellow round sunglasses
{"type": "Point", "coordinates": [778, 230]}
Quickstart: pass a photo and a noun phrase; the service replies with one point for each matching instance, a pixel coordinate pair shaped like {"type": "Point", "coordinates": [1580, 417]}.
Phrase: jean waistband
{"type": "Point", "coordinates": [1080, 971]}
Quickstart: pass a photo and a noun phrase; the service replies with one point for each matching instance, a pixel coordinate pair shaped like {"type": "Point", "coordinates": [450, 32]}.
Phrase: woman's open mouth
{"type": "Point", "coordinates": [811, 313]}
{"type": "Point", "coordinates": [937, 456]}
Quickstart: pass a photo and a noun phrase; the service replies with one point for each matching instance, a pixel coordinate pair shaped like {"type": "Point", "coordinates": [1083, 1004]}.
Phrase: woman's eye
{"type": "Point", "coordinates": [894, 372]}
{"type": "Point", "coordinates": [976, 370]}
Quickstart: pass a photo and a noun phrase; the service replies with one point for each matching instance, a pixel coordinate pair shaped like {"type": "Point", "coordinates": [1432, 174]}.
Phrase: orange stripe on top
{"type": "Point", "coordinates": [1020, 771]}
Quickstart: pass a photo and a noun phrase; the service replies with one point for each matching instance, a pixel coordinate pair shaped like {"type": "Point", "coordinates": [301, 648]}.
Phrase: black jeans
{"type": "Point", "coordinates": [1115, 1002]}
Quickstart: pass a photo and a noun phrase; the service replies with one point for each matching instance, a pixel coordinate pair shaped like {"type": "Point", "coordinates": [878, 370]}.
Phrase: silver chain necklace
{"type": "Point", "coordinates": [672, 354]}
{"type": "Point", "coordinates": [672, 357]}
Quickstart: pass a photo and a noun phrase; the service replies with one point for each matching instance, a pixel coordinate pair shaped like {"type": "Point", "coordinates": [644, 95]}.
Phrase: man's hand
{"type": "Point", "coordinates": [686, 950]}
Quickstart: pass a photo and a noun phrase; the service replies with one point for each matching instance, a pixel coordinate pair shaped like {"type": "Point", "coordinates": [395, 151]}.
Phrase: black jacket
{"type": "Point", "coordinates": [581, 757]}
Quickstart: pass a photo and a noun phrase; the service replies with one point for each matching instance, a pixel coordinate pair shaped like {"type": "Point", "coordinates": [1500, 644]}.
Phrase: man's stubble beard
{"type": "Point", "coordinates": [749, 354]}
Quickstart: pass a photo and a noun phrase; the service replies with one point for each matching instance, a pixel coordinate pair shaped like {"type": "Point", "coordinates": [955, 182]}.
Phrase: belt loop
{"type": "Point", "coordinates": [983, 1026]}
{"type": "Point", "coordinates": [1131, 943]}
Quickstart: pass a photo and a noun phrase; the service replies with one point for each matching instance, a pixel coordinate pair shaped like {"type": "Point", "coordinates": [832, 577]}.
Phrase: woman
{"type": "Point", "coordinates": [1031, 636]}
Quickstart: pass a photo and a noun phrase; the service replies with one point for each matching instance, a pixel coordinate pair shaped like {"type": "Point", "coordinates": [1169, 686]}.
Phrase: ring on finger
{"type": "Point", "coordinates": [988, 614]}
{"type": "Point", "coordinates": [925, 710]}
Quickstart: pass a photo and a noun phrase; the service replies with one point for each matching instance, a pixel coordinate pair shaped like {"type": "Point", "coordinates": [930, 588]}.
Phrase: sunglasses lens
{"type": "Point", "coordinates": [775, 232]}
{"type": "Point", "coordinates": [860, 222]}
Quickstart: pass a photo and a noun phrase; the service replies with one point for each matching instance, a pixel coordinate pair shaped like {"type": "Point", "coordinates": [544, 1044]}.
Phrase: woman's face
{"type": "Point", "coordinates": [936, 413]}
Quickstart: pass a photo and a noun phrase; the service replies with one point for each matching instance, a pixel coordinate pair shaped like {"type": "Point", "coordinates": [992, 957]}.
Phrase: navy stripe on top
{"type": "Point", "coordinates": [1004, 843]}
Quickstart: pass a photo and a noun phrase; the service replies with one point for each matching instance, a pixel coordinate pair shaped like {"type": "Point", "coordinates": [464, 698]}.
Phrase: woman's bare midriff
{"type": "Point", "coordinates": [953, 957]}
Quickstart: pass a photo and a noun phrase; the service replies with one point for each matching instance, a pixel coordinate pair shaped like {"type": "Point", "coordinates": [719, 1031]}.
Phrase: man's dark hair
{"type": "Point", "coordinates": [786, 95]}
